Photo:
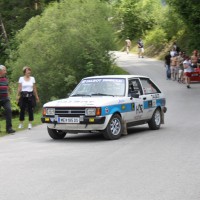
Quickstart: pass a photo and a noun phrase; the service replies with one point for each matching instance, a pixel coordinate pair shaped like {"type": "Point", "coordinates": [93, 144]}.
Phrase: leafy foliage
{"type": "Point", "coordinates": [155, 41]}
{"type": "Point", "coordinates": [188, 10]}
{"type": "Point", "coordinates": [69, 41]}
{"type": "Point", "coordinates": [137, 16]}
{"type": "Point", "coordinates": [169, 28]}
{"type": "Point", "coordinates": [14, 15]}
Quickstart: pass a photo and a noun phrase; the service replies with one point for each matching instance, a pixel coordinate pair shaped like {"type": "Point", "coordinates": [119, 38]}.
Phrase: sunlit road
{"type": "Point", "coordinates": [145, 165]}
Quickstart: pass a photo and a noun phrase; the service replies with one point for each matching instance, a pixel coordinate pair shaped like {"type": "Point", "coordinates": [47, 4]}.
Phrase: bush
{"type": "Point", "coordinates": [155, 41]}
{"type": "Point", "coordinates": [69, 41]}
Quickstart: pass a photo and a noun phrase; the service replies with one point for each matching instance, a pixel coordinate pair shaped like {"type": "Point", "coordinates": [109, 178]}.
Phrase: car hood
{"type": "Point", "coordinates": [85, 101]}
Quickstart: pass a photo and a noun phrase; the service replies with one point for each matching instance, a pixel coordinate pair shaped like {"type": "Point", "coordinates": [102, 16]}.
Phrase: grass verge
{"type": "Point", "coordinates": [15, 123]}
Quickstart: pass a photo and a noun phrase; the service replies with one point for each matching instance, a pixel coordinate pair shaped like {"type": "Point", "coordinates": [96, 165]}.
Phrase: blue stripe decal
{"type": "Point", "coordinates": [154, 103]}
{"type": "Point", "coordinates": [122, 108]}
{"type": "Point", "coordinates": [130, 107]}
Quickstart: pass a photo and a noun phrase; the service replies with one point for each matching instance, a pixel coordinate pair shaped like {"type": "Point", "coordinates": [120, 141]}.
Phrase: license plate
{"type": "Point", "coordinates": [73, 120]}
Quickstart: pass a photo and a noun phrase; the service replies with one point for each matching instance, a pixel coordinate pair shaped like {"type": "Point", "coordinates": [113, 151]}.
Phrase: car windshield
{"type": "Point", "coordinates": [100, 87]}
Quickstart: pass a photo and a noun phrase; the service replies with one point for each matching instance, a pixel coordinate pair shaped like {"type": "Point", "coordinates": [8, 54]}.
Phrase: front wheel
{"type": "Point", "coordinates": [114, 128]}
{"type": "Point", "coordinates": [155, 121]}
{"type": "Point", "coordinates": [56, 134]}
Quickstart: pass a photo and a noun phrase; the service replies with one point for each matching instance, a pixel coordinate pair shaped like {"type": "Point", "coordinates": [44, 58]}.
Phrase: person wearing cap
{"type": "Point", "coordinates": [27, 96]}
{"type": "Point", "coordinates": [4, 98]}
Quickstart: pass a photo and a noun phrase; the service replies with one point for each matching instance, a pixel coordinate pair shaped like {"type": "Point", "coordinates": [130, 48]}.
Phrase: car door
{"type": "Point", "coordinates": [151, 94]}
{"type": "Point", "coordinates": [135, 98]}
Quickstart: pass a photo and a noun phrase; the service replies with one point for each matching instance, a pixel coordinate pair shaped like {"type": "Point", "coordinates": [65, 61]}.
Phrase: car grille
{"type": "Point", "coordinates": [69, 112]}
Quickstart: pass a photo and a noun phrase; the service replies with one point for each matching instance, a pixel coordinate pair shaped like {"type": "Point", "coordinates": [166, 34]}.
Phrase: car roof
{"type": "Point", "coordinates": [117, 76]}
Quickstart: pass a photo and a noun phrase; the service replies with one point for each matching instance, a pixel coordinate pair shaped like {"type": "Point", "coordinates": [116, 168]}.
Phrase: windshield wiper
{"type": "Point", "coordinates": [101, 94]}
{"type": "Point", "coordinates": [80, 95]}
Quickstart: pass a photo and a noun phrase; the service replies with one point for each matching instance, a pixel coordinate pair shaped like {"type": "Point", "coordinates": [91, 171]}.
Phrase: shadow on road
{"type": "Point", "coordinates": [98, 137]}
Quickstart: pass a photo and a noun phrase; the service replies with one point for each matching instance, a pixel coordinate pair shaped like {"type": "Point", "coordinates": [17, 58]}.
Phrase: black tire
{"type": "Point", "coordinates": [114, 128]}
{"type": "Point", "coordinates": [154, 123]}
{"type": "Point", "coordinates": [56, 134]}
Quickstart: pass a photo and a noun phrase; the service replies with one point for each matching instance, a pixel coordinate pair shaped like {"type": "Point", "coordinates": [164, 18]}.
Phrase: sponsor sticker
{"type": "Point", "coordinates": [107, 110]}
{"type": "Point", "coordinates": [133, 106]}
{"type": "Point", "coordinates": [149, 104]}
{"type": "Point", "coordinates": [123, 107]}
{"type": "Point", "coordinates": [139, 109]}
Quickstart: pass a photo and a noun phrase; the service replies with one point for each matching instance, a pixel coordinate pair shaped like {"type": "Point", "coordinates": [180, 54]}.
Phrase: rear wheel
{"type": "Point", "coordinates": [114, 128]}
{"type": "Point", "coordinates": [155, 121]}
{"type": "Point", "coordinates": [56, 134]}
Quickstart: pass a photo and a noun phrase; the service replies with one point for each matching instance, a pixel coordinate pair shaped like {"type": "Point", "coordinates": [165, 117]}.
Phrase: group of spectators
{"type": "Point", "coordinates": [26, 97]}
{"type": "Point", "coordinates": [180, 66]}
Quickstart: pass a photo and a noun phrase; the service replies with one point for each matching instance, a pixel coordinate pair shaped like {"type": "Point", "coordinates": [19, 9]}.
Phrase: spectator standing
{"type": "Point", "coordinates": [167, 65]}
{"type": "Point", "coordinates": [27, 96]}
{"type": "Point", "coordinates": [128, 45]}
{"type": "Point", "coordinates": [180, 60]}
{"type": "Point", "coordinates": [140, 48]}
{"type": "Point", "coordinates": [173, 67]}
{"type": "Point", "coordinates": [173, 52]}
{"type": "Point", "coordinates": [198, 62]}
{"type": "Point", "coordinates": [187, 70]}
{"type": "Point", "coordinates": [4, 98]}
{"type": "Point", "coordinates": [176, 48]}
{"type": "Point", "coordinates": [194, 59]}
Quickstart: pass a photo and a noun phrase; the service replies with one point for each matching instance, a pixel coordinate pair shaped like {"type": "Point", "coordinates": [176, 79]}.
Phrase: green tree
{"type": "Point", "coordinates": [188, 10]}
{"type": "Point", "coordinates": [14, 15]}
{"type": "Point", "coordinates": [137, 16]}
{"type": "Point", "coordinates": [69, 41]}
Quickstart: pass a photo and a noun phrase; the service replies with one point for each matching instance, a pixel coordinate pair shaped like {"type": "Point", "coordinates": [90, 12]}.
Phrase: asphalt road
{"type": "Point", "coordinates": [145, 165]}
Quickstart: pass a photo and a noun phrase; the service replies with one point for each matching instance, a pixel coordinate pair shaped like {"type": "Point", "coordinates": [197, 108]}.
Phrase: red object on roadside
{"type": "Point", "coordinates": [195, 76]}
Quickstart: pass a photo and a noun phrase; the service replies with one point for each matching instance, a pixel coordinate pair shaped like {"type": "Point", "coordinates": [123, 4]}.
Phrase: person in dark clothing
{"type": "Point", "coordinates": [4, 99]}
{"type": "Point", "coordinates": [176, 48]}
{"type": "Point", "coordinates": [140, 48]}
{"type": "Point", "coordinates": [167, 65]}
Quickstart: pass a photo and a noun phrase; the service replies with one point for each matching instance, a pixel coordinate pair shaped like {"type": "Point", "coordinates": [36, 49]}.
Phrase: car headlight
{"type": "Point", "coordinates": [50, 111]}
{"type": "Point", "coordinates": [92, 111]}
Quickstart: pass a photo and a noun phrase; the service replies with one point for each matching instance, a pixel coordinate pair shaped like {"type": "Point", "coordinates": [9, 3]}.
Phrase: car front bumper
{"type": "Point", "coordinates": [87, 124]}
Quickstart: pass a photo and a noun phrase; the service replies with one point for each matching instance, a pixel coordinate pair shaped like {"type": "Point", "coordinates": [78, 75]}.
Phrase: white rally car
{"type": "Point", "coordinates": [108, 104]}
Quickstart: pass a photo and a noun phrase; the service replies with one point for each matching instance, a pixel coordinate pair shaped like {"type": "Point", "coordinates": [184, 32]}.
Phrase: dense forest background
{"type": "Point", "coordinates": [66, 40]}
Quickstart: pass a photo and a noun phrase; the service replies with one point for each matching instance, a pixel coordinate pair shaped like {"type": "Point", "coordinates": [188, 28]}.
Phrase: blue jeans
{"type": "Point", "coordinates": [8, 113]}
{"type": "Point", "coordinates": [168, 71]}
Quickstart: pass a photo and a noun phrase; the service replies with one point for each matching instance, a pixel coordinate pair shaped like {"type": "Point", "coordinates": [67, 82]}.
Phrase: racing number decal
{"type": "Point", "coordinates": [139, 109]}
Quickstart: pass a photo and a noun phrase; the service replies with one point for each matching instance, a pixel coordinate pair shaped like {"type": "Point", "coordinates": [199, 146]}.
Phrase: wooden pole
{"type": "Point", "coordinates": [36, 4]}
{"type": "Point", "coordinates": [3, 30]}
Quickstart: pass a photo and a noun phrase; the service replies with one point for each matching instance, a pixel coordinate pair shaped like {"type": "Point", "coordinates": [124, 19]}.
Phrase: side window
{"type": "Point", "coordinates": [149, 87]}
{"type": "Point", "coordinates": [134, 86]}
